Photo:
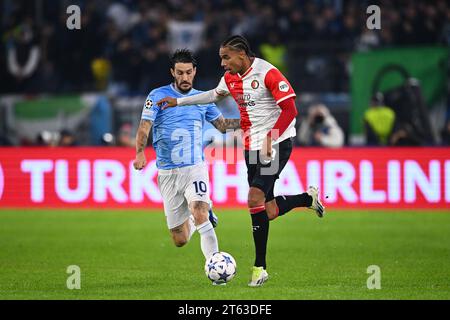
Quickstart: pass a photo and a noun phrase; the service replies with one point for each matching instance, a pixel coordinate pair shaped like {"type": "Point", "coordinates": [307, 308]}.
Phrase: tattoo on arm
{"type": "Point", "coordinates": [223, 124]}
{"type": "Point", "coordinates": [142, 135]}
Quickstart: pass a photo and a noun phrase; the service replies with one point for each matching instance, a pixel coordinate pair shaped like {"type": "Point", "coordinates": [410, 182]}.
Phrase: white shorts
{"type": "Point", "coordinates": [179, 187]}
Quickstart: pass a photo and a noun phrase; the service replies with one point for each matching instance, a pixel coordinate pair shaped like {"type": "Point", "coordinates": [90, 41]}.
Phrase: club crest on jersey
{"type": "Point", "coordinates": [283, 86]}
{"type": "Point", "coordinates": [148, 104]}
{"type": "Point", "coordinates": [255, 84]}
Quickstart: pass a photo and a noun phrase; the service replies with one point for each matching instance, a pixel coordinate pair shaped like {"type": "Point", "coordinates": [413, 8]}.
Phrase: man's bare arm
{"type": "Point", "coordinates": [141, 142]}
{"type": "Point", "coordinates": [200, 98]}
{"type": "Point", "coordinates": [142, 135]}
{"type": "Point", "coordinates": [223, 124]}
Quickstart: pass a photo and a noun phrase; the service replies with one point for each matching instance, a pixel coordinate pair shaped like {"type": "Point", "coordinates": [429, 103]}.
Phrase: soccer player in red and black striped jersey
{"type": "Point", "coordinates": [267, 108]}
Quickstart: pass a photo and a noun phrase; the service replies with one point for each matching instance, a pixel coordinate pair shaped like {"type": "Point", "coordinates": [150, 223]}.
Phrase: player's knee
{"type": "Point", "coordinates": [200, 218]}
{"type": "Point", "coordinates": [271, 210]}
{"type": "Point", "coordinates": [180, 241]}
{"type": "Point", "coordinates": [255, 198]}
{"type": "Point", "coordinates": [179, 236]}
{"type": "Point", "coordinates": [199, 206]}
{"type": "Point", "coordinates": [255, 202]}
{"type": "Point", "coordinates": [199, 210]}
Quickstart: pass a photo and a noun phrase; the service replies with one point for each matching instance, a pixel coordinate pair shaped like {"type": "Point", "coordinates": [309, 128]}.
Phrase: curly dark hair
{"type": "Point", "coordinates": [238, 43]}
{"type": "Point", "coordinates": [183, 56]}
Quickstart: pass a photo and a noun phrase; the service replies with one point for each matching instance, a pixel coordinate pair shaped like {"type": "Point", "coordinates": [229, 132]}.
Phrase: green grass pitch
{"type": "Point", "coordinates": [130, 255]}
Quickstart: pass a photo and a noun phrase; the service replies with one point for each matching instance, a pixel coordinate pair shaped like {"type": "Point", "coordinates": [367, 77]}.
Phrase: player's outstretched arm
{"type": "Point", "coordinates": [201, 98]}
{"type": "Point", "coordinates": [223, 124]}
{"type": "Point", "coordinates": [141, 141]}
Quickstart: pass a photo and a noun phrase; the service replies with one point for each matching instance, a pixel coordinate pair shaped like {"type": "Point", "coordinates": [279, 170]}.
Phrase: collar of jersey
{"type": "Point", "coordinates": [183, 94]}
{"type": "Point", "coordinates": [248, 70]}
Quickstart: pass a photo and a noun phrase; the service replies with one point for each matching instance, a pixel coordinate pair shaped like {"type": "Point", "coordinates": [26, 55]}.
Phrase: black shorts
{"type": "Point", "coordinates": [263, 176]}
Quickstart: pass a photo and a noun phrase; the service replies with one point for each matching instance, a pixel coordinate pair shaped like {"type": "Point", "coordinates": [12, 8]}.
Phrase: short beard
{"type": "Point", "coordinates": [182, 90]}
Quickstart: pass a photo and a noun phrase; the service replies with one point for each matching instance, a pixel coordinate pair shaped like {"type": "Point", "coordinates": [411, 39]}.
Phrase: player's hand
{"type": "Point", "coordinates": [266, 151]}
{"type": "Point", "coordinates": [318, 137]}
{"type": "Point", "coordinates": [140, 161]}
{"type": "Point", "coordinates": [167, 102]}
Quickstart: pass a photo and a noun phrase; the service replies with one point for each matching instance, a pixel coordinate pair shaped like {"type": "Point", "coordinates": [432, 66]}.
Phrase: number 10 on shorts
{"type": "Point", "coordinates": [200, 186]}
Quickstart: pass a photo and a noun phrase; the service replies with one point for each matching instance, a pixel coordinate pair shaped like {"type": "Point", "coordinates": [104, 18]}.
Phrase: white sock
{"type": "Point", "coordinates": [208, 239]}
{"type": "Point", "coordinates": [192, 227]}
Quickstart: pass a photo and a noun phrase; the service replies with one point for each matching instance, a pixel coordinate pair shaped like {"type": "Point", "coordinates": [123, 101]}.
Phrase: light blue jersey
{"type": "Point", "coordinates": [177, 132]}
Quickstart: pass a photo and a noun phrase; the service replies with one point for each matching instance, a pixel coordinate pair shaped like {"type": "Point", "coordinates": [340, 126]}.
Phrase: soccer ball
{"type": "Point", "coordinates": [220, 268]}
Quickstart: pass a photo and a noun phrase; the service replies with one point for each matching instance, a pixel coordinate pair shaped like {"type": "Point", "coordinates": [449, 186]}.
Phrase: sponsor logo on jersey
{"type": "Point", "coordinates": [244, 100]}
{"type": "Point", "coordinates": [148, 104]}
{"type": "Point", "coordinates": [255, 84]}
{"type": "Point", "coordinates": [283, 86]}
{"type": "Point", "coordinates": [247, 104]}
{"type": "Point", "coordinates": [232, 85]}
{"type": "Point", "coordinates": [243, 97]}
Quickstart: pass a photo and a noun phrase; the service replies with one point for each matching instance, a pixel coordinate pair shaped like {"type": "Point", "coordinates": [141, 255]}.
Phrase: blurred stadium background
{"type": "Point", "coordinates": [70, 104]}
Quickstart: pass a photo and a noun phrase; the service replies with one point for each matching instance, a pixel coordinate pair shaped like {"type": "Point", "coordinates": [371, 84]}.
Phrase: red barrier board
{"type": "Point", "coordinates": [105, 178]}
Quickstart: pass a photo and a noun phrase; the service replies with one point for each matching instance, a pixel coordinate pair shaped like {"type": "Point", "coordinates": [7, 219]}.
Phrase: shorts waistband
{"type": "Point", "coordinates": [180, 169]}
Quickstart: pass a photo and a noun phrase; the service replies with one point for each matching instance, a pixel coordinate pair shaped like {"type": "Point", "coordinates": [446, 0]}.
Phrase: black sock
{"type": "Point", "coordinates": [287, 203]}
{"type": "Point", "coordinates": [260, 223]}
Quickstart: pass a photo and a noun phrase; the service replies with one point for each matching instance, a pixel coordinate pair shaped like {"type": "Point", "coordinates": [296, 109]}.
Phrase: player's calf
{"type": "Point", "coordinates": [283, 204]}
{"type": "Point", "coordinates": [199, 210]}
{"type": "Point", "coordinates": [208, 238]}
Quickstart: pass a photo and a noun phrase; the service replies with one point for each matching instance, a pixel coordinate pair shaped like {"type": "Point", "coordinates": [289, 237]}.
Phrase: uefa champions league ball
{"type": "Point", "coordinates": [220, 268]}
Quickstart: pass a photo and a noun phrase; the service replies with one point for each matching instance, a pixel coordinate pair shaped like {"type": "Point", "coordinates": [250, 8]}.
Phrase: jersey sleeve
{"type": "Point", "coordinates": [151, 109]}
{"type": "Point", "coordinates": [212, 113]}
{"type": "Point", "coordinates": [278, 85]}
{"type": "Point", "coordinates": [222, 88]}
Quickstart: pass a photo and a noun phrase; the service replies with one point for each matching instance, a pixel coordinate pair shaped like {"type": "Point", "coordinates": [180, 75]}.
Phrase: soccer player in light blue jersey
{"type": "Point", "coordinates": [177, 139]}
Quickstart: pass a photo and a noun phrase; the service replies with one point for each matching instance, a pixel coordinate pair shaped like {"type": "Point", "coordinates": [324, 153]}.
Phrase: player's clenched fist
{"type": "Point", "coordinates": [140, 161]}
